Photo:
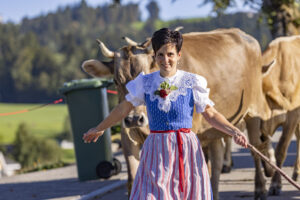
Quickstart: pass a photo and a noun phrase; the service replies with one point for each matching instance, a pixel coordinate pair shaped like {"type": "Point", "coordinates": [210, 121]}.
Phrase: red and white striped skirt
{"type": "Point", "coordinates": [158, 177]}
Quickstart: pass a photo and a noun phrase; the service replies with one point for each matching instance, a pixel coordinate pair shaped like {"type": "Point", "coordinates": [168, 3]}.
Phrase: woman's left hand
{"type": "Point", "coordinates": [240, 138]}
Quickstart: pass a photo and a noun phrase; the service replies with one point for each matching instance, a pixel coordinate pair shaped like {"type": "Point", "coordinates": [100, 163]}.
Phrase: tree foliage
{"type": "Point", "coordinates": [283, 16]}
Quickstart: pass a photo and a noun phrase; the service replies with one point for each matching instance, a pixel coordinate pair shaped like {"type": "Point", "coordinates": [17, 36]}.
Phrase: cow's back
{"type": "Point", "coordinates": [282, 84]}
{"type": "Point", "coordinates": [230, 60]}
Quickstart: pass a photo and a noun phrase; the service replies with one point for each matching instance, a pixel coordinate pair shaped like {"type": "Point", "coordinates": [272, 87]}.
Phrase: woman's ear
{"type": "Point", "coordinates": [179, 54]}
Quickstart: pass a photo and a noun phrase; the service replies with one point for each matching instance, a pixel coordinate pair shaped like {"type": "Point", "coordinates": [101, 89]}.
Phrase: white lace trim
{"type": "Point", "coordinates": [182, 80]}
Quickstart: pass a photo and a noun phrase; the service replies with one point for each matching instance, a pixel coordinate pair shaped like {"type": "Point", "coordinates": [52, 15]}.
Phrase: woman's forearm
{"type": "Point", "coordinates": [218, 121]}
{"type": "Point", "coordinates": [116, 115]}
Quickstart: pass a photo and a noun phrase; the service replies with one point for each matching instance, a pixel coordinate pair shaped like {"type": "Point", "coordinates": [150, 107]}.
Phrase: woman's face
{"type": "Point", "coordinates": [167, 58]}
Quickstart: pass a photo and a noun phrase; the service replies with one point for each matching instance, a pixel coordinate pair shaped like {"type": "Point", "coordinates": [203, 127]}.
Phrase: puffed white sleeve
{"type": "Point", "coordinates": [136, 91]}
{"type": "Point", "coordinates": [201, 94]}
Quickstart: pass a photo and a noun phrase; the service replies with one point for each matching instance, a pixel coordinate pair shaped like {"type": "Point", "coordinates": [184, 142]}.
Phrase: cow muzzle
{"type": "Point", "coordinates": [132, 121]}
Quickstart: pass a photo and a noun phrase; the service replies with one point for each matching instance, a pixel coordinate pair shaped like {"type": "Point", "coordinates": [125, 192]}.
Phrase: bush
{"type": "Point", "coordinates": [31, 151]}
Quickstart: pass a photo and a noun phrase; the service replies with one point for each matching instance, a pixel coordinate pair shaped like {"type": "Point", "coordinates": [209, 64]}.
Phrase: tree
{"type": "Point", "coordinates": [153, 10]}
{"type": "Point", "coordinates": [283, 16]}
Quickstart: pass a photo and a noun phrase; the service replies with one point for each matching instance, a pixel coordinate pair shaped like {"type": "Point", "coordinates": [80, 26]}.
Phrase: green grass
{"type": "Point", "coordinates": [195, 20]}
{"type": "Point", "coordinates": [45, 122]}
{"type": "Point", "coordinates": [68, 156]}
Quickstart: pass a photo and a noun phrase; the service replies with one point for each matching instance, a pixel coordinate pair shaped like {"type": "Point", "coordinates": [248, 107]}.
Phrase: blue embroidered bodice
{"type": "Point", "coordinates": [179, 116]}
{"type": "Point", "coordinates": [176, 110]}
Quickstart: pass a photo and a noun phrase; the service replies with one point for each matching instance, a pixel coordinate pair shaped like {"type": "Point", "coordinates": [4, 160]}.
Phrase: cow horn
{"type": "Point", "coordinates": [147, 44]}
{"type": "Point", "coordinates": [130, 41]}
{"type": "Point", "coordinates": [178, 28]}
{"type": "Point", "coordinates": [105, 51]}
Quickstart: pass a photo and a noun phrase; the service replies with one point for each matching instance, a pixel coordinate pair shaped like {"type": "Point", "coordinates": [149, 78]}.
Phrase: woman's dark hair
{"type": "Point", "coordinates": [164, 36]}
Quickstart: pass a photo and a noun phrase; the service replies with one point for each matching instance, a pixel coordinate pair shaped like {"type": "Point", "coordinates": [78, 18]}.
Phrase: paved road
{"type": "Point", "coordinates": [238, 185]}
{"type": "Point", "coordinates": [62, 183]}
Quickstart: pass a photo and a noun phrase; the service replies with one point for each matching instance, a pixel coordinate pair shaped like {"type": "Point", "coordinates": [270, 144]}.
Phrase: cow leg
{"type": "Point", "coordinates": [216, 154]}
{"type": "Point", "coordinates": [280, 153]}
{"type": "Point", "coordinates": [297, 163]}
{"type": "Point", "coordinates": [131, 154]}
{"type": "Point", "coordinates": [205, 152]}
{"type": "Point", "coordinates": [268, 169]}
{"type": "Point", "coordinates": [227, 163]}
{"type": "Point", "coordinates": [254, 133]}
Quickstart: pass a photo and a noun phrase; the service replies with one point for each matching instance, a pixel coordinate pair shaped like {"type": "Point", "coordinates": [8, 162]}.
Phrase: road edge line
{"type": "Point", "coordinates": [103, 190]}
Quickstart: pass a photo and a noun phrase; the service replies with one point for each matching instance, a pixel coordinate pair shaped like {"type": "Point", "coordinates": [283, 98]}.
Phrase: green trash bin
{"type": "Point", "coordinates": [87, 106]}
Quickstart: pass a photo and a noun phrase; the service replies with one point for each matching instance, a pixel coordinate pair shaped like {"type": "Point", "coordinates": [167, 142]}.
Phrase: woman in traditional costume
{"type": "Point", "coordinates": [172, 164]}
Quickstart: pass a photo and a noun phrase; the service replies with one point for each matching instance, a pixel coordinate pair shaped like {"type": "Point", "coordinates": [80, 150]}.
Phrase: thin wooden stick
{"type": "Point", "coordinates": [274, 166]}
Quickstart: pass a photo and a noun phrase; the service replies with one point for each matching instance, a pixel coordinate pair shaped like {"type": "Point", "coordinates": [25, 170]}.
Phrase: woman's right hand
{"type": "Point", "coordinates": [92, 135]}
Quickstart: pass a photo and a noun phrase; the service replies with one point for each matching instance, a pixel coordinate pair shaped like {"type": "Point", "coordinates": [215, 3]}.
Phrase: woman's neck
{"type": "Point", "coordinates": [168, 74]}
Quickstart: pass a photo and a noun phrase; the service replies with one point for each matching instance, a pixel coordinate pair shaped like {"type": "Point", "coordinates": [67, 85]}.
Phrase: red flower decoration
{"type": "Point", "coordinates": [165, 89]}
{"type": "Point", "coordinates": [163, 93]}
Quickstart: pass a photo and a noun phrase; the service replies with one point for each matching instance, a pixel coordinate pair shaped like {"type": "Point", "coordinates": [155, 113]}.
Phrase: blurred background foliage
{"type": "Point", "coordinates": [38, 55]}
{"type": "Point", "coordinates": [31, 151]}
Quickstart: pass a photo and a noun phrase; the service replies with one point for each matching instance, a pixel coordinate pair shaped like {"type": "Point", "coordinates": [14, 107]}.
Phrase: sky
{"type": "Point", "coordinates": [15, 10]}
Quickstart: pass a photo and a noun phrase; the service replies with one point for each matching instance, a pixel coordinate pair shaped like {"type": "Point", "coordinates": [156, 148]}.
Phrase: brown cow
{"type": "Point", "coordinates": [229, 59]}
{"type": "Point", "coordinates": [282, 89]}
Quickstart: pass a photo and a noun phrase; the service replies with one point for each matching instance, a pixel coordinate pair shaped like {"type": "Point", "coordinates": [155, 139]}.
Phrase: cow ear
{"type": "Point", "coordinates": [267, 68]}
{"type": "Point", "coordinates": [96, 68]}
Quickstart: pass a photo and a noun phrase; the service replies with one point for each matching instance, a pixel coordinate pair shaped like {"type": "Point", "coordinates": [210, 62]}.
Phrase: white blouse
{"type": "Point", "coordinates": [149, 83]}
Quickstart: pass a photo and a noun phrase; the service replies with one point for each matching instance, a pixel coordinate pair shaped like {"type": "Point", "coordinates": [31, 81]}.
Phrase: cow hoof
{"type": "Point", "coordinates": [226, 169]}
{"type": "Point", "coordinates": [274, 190]}
{"type": "Point", "coordinates": [295, 176]}
{"type": "Point", "coordinates": [260, 196]}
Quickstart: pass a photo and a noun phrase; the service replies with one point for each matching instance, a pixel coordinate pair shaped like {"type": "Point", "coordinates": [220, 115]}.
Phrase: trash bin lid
{"type": "Point", "coordinates": [84, 84]}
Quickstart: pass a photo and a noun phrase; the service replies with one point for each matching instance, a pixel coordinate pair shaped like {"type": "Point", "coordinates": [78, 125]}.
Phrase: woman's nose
{"type": "Point", "coordinates": [166, 59]}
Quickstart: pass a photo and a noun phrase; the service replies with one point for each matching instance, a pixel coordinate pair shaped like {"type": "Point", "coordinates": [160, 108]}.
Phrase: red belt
{"type": "Point", "coordinates": [179, 142]}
